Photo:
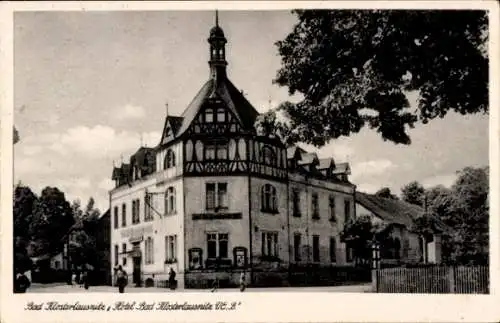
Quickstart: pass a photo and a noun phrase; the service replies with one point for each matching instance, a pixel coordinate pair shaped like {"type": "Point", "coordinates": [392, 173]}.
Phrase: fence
{"type": "Point", "coordinates": [435, 279]}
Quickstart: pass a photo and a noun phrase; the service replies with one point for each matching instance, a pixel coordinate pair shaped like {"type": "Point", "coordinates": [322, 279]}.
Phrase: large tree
{"type": "Point", "coordinates": [413, 193]}
{"type": "Point", "coordinates": [51, 220]}
{"type": "Point", "coordinates": [353, 69]}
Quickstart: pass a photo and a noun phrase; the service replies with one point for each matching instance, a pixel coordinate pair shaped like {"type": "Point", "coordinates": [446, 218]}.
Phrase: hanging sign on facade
{"type": "Point", "coordinates": [136, 234]}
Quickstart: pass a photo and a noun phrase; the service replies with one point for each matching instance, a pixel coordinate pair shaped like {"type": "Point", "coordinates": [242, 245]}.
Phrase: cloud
{"type": "Point", "coordinates": [372, 167]}
{"type": "Point", "coordinates": [446, 180]}
{"type": "Point", "coordinates": [106, 184]}
{"type": "Point", "coordinates": [130, 112]}
{"type": "Point", "coordinates": [92, 142]}
{"type": "Point", "coordinates": [367, 188]}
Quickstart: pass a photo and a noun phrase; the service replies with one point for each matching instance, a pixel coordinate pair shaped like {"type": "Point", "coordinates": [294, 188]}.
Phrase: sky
{"type": "Point", "coordinates": [89, 85]}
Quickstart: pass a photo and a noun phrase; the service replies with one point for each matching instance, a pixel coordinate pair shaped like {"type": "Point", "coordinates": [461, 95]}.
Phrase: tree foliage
{"type": "Point", "coordinates": [353, 69]}
{"type": "Point", "coordinates": [52, 218]}
{"type": "Point", "coordinates": [461, 215]}
{"type": "Point", "coordinates": [360, 234]}
{"type": "Point", "coordinates": [386, 193]}
{"type": "Point", "coordinates": [82, 245]}
{"type": "Point", "coordinates": [413, 193]}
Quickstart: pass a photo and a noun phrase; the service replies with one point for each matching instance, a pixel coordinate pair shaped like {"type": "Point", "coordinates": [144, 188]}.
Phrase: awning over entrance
{"type": "Point", "coordinates": [133, 253]}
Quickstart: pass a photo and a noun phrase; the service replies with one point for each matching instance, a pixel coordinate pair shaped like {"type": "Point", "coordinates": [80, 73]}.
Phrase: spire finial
{"type": "Point", "coordinates": [217, 18]}
{"type": "Point", "coordinates": [121, 158]}
{"type": "Point", "coordinates": [166, 107]}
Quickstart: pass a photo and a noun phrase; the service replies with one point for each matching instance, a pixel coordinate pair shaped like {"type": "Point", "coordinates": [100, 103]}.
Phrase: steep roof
{"type": "Point", "coordinates": [309, 158]}
{"type": "Point", "coordinates": [225, 90]}
{"type": "Point", "coordinates": [292, 151]}
{"type": "Point", "coordinates": [390, 210]}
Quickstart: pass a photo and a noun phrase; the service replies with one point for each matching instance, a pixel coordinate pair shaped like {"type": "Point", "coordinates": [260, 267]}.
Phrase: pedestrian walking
{"type": "Point", "coordinates": [85, 279]}
{"type": "Point", "coordinates": [121, 279]}
{"type": "Point", "coordinates": [215, 285]}
{"type": "Point", "coordinates": [172, 283]}
{"type": "Point", "coordinates": [21, 283]}
{"type": "Point", "coordinates": [242, 281]}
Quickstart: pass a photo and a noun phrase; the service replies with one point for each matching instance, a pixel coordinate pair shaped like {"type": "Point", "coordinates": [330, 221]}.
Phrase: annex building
{"type": "Point", "coordinates": [214, 198]}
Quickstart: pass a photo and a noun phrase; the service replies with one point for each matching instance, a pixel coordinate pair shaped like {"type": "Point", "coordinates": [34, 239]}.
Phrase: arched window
{"type": "Point", "coordinates": [268, 156]}
{"type": "Point", "coordinates": [149, 250]}
{"type": "Point", "coordinates": [269, 201]}
{"type": "Point", "coordinates": [170, 201]}
{"type": "Point", "coordinates": [137, 173]}
{"type": "Point", "coordinates": [169, 159]}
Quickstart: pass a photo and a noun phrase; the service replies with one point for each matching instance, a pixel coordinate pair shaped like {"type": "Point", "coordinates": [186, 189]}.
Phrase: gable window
{"type": "Point", "coordinates": [149, 250]}
{"type": "Point", "coordinates": [124, 214]}
{"type": "Point", "coordinates": [347, 211]}
{"type": "Point", "coordinates": [169, 159]}
{"type": "Point", "coordinates": [316, 248]}
{"type": "Point", "coordinates": [209, 115]}
{"type": "Point", "coordinates": [216, 196]}
{"type": "Point", "coordinates": [331, 206]}
{"type": "Point", "coordinates": [270, 244]}
{"type": "Point", "coordinates": [296, 246]}
{"type": "Point", "coordinates": [216, 150]}
{"type": "Point", "coordinates": [217, 245]}
{"type": "Point", "coordinates": [269, 201]}
{"type": "Point", "coordinates": [333, 250]}
{"type": "Point", "coordinates": [115, 217]}
{"type": "Point", "coordinates": [296, 203]}
{"type": "Point", "coordinates": [268, 156]}
{"type": "Point", "coordinates": [315, 206]}
{"type": "Point", "coordinates": [135, 212]}
{"type": "Point", "coordinates": [221, 115]}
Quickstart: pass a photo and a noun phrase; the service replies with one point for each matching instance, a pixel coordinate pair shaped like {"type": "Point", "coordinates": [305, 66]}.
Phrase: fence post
{"type": "Point", "coordinates": [375, 267]}
{"type": "Point", "coordinates": [451, 279]}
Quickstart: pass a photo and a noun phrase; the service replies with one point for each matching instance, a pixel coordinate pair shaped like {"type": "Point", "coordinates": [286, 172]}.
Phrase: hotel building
{"type": "Point", "coordinates": [214, 197]}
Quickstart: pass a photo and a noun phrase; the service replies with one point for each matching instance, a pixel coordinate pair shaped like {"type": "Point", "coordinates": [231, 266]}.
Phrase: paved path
{"type": "Point", "coordinates": [39, 288]}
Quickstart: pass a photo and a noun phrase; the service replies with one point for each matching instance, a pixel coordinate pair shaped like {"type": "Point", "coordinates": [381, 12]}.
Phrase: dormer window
{"type": "Point", "coordinates": [169, 159]}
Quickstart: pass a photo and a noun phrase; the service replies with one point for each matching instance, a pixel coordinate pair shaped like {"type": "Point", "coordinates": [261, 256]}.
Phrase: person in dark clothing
{"type": "Point", "coordinates": [21, 283]}
{"type": "Point", "coordinates": [85, 279]}
{"type": "Point", "coordinates": [172, 283]}
{"type": "Point", "coordinates": [243, 283]}
{"type": "Point", "coordinates": [121, 279]}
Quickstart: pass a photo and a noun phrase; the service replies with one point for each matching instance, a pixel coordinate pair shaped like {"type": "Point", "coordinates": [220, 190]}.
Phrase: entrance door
{"type": "Point", "coordinates": [136, 276]}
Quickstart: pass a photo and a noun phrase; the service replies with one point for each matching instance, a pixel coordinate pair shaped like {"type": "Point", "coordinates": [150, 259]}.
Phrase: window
{"type": "Point", "coordinates": [209, 115]}
{"type": "Point", "coordinates": [296, 246]}
{"type": "Point", "coordinates": [268, 156]}
{"type": "Point", "coordinates": [216, 196]}
{"type": "Point", "coordinates": [316, 248]}
{"type": "Point", "coordinates": [268, 196]}
{"type": "Point", "coordinates": [124, 251]}
{"type": "Point", "coordinates": [169, 159]}
{"type": "Point", "coordinates": [170, 201]}
{"type": "Point", "coordinates": [270, 244]}
{"type": "Point", "coordinates": [115, 217]}
{"type": "Point", "coordinates": [221, 115]}
{"type": "Point", "coordinates": [331, 206]}
{"type": "Point", "coordinates": [57, 264]}
{"type": "Point", "coordinates": [216, 150]}
{"type": "Point", "coordinates": [315, 206]}
{"type": "Point", "coordinates": [170, 248]}
{"type": "Point", "coordinates": [149, 250]}
{"type": "Point", "coordinates": [347, 210]}
{"type": "Point", "coordinates": [148, 215]}
{"type": "Point", "coordinates": [124, 214]}
{"type": "Point", "coordinates": [135, 212]}
{"type": "Point", "coordinates": [333, 250]}
{"type": "Point", "coordinates": [217, 245]}
{"type": "Point", "coordinates": [116, 255]}
{"type": "Point", "coordinates": [296, 203]}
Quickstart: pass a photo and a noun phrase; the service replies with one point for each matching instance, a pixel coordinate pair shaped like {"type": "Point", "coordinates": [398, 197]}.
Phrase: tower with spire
{"type": "Point", "coordinates": [213, 191]}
